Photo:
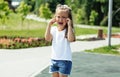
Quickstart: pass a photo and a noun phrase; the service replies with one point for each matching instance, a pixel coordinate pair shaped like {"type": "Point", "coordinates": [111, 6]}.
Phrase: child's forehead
{"type": "Point", "coordinates": [61, 11]}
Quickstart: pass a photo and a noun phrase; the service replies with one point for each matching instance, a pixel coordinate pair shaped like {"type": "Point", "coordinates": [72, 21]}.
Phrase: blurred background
{"type": "Point", "coordinates": [28, 18]}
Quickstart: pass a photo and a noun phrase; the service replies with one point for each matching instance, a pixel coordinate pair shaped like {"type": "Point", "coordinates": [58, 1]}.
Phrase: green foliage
{"type": "Point", "coordinates": [37, 29]}
{"type": "Point", "coordinates": [100, 6]}
{"type": "Point", "coordinates": [87, 9]}
{"type": "Point", "coordinates": [117, 4]}
{"type": "Point", "coordinates": [84, 31]}
{"type": "Point", "coordinates": [37, 5]}
{"type": "Point", "coordinates": [106, 50]}
{"type": "Point", "coordinates": [4, 11]}
{"type": "Point", "coordinates": [93, 17]}
{"type": "Point", "coordinates": [116, 13]}
{"type": "Point", "coordinates": [104, 21]}
{"type": "Point", "coordinates": [74, 4]}
{"type": "Point", "coordinates": [22, 42]}
{"type": "Point", "coordinates": [45, 11]}
{"type": "Point", "coordinates": [30, 3]}
{"type": "Point", "coordinates": [23, 9]}
{"type": "Point", "coordinates": [53, 4]}
{"type": "Point", "coordinates": [101, 1]}
{"type": "Point", "coordinates": [80, 16]}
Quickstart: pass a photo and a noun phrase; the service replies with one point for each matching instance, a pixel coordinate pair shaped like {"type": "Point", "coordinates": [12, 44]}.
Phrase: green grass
{"type": "Point", "coordinates": [39, 32]}
{"type": "Point", "coordinates": [106, 50]}
{"type": "Point", "coordinates": [32, 28]}
{"type": "Point", "coordinates": [23, 33]}
{"type": "Point", "coordinates": [115, 29]}
{"type": "Point", "coordinates": [14, 23]}
{"type": "Point", "coordinates": [84, 31]}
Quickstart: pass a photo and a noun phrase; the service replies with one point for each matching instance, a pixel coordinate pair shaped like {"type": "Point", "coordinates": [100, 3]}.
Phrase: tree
{"type": "Point", "coordinates": [80, 16]}
{"type": "Point", "coordinates": [100, 6]}
{"type": "Point", "coordinates": [23, 10]}
{"type": "Point", "coordinates": [37, 5]}
{"type": "Point", "coordinates": [4, 12]}
{"type": "Point", "coordinates": [54, 3]}
{"type": "Point", "coordinates": [75, 4]}
{"type": "Point", "coordinates": [116, 13]}
{"type": "Point", "coordinates": [44, 11]}
{"type": "Point", "coordinates": [93, 17]}
{"type": "Point", "coordinates": [30, 3]}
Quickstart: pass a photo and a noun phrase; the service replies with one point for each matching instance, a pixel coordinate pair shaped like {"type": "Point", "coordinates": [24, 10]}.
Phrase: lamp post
{"type": "Point", "coordinates": [110, 21]}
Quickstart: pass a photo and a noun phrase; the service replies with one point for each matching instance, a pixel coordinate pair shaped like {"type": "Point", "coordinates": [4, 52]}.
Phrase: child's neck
{"type": "Point", "coordinates": [60, 29]}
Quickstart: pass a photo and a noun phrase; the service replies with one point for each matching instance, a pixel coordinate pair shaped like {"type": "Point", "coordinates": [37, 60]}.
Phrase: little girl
{"type": "Point", "coordinates": [61, 36]}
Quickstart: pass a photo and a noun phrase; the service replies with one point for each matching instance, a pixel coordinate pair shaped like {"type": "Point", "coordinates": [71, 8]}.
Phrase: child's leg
{"type": "Point", "coordinates": [61, 75]}
{"type": "Point", "coordinates": [55, 74]}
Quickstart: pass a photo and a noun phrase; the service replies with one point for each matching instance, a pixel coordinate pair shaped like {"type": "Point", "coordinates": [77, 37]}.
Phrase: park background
{"type": "Point", "coordinates": [24, 21]}
{"type": "Point", "coordinates": [25, 53]}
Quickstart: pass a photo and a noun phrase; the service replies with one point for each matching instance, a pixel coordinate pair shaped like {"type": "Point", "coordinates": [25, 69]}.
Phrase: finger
{"type": "Point", "coordinates": [54, 19]}
{"type": "Point", "coordinates": [67, 19]}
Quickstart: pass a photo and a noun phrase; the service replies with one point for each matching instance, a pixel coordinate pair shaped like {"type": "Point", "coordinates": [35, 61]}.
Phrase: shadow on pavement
{"type": "Point", "coordinates": [91, 65]}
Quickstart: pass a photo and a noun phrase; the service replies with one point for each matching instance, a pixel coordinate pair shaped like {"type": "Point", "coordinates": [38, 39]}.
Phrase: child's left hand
{"type": "Point", "coordinates": [69, 21]}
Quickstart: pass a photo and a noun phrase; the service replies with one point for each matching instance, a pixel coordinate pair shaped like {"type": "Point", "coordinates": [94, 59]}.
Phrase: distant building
{"type": "Point", "coordinates": [13, 4]}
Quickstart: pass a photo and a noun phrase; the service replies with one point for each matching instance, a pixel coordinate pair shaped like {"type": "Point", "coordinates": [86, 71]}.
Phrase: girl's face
{"type": "Point", "coordinates": [61, 18]}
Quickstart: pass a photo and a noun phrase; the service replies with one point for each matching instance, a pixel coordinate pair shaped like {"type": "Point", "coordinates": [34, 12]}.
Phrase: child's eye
{"type": "Point", "coordinates": [58, 16]}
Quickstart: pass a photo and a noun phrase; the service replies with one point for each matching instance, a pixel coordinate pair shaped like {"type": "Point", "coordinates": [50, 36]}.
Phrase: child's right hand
{"type": "Point", "coordinates": [52, 21]}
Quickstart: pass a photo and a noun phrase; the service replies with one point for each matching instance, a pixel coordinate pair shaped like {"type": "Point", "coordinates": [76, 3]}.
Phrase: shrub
{"type": "Point", "coordinates": [22, 42]}
{"type": "Point", "coordinates": [93, 17]}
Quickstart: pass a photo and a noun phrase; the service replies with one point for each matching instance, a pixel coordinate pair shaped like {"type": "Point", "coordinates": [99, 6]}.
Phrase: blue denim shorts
{"type": "Point", "coordinates": [60, 66]}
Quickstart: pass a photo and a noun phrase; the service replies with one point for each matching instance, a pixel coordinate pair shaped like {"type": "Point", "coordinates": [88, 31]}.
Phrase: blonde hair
{"type": "Point", "coordinates": [63, 7]}
{"type": "Point", "coordinates": [68, 9]}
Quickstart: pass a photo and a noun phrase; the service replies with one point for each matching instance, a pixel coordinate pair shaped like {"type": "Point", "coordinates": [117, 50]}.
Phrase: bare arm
{"type": "Point", "coordinates": [48, 36]}
{"type": "Point", "coordinates": [70, 34]}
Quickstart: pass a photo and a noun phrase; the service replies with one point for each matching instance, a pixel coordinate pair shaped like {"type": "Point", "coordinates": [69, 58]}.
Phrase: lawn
{"type": "Point", "coordinates": [114, 50]}
{"type": "Point", "coordinates": [27, 33]}
{"type": "Point", "coordinates": [31, 28]}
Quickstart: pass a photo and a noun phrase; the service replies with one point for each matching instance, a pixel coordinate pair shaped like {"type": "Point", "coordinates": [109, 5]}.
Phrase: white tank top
{"type": "Point", "coordinates": [60, 45]}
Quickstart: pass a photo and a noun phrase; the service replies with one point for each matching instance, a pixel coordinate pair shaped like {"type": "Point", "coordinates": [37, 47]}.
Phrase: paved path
{"type": "Point", "coordinates": [91, 65]}
{"type": "Point", "coordinates": [23, 62]}
{"type": "Point", "coordinates": [30, 62]}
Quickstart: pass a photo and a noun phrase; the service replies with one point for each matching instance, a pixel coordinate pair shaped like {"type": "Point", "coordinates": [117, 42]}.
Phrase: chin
{"type": "Point", "coordinates": [59, 24]}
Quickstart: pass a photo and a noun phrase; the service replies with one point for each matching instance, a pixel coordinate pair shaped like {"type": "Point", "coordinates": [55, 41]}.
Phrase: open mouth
{"type": "Point", "coordinates": [60, 23]}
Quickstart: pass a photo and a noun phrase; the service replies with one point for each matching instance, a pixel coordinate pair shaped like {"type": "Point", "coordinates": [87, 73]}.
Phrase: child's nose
{"type": "Point", "coordinates": [60, 19]}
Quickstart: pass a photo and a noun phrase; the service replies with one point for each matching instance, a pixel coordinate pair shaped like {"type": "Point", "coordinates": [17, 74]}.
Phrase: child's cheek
{"type": "Point", "coordinates": [66, 21]}
{"type": "Point", "coordinates": [56, 19]}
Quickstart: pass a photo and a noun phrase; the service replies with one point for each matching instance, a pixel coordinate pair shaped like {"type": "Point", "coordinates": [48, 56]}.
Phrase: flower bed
{"type": "Point", "coordinates": [21, 42]}
{"type": "Point", "coordinates": [113, 35]}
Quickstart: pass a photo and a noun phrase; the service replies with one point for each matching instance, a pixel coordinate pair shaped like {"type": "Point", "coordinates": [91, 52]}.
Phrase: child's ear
{"type": "Point", "coordinates": [68, 19]}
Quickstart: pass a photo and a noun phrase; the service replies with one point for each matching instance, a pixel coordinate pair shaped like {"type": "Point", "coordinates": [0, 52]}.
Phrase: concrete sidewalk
{"type": "Point", "coordinates": [30, 62]}
{"type": "Point", "coordinates": [91, 65]}
{"type": "Point", "coordinates": [23, 62]}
